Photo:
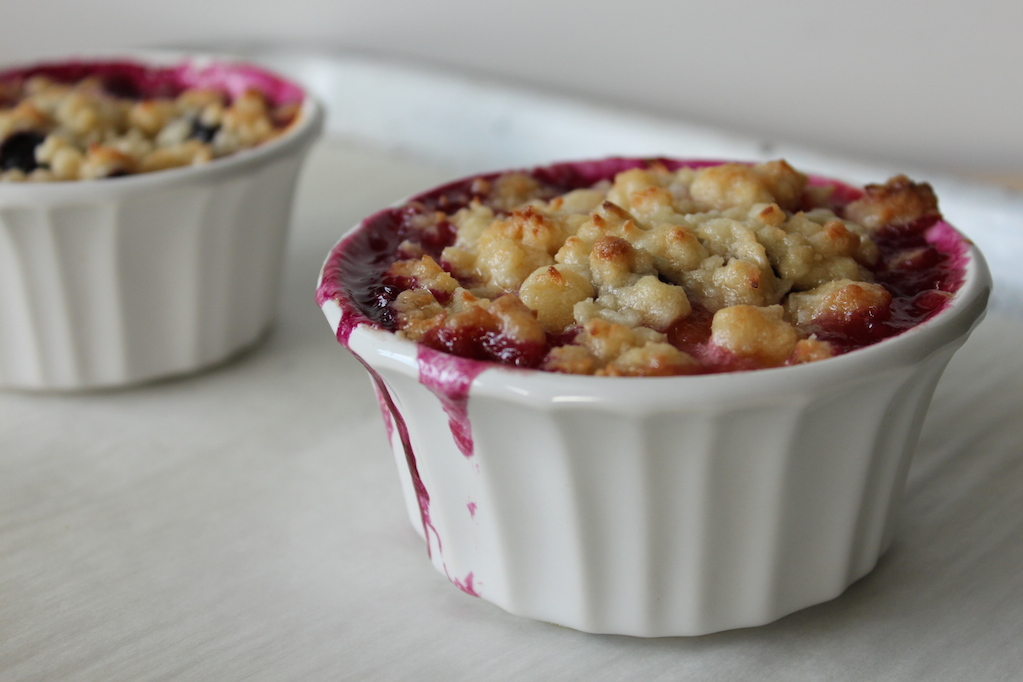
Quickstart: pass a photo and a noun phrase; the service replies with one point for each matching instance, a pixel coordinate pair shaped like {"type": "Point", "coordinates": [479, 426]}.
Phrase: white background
{"type": "Point", "coordinates": [935, 84]}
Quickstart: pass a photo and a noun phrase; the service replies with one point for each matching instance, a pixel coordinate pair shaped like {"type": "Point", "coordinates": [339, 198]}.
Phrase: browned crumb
{"type": "Point", "coordinates": [897, 202]}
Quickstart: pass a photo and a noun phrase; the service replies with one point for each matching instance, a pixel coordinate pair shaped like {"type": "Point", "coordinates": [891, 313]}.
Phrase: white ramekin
{"type": "Point", "coordinates": [664, 506]}
{"type": "Point", "coordinates": [116, 281]}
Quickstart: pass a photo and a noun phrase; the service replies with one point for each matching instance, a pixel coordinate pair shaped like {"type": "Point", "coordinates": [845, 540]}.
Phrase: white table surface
{"type": "Point", "coordinates": [246, 523]}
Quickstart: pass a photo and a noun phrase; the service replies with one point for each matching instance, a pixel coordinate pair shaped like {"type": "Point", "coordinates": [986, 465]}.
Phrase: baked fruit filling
{"type": "Point", "coordinates": [653, 268]}
{"type": "Point", "coordinates": [81, 122]}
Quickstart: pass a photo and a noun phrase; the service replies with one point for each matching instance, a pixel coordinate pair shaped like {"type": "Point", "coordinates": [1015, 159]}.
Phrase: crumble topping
{"type": "Point", "coordinates": [658, 270]}
{"type": "Point", "coordinates": [55, 130]}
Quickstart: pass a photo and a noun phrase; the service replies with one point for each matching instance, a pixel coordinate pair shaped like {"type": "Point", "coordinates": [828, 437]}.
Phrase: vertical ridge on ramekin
{"type": "Point", "coordinates": [261, 239]}
{"type": "Point", "coordinates": [890, 449]}
{"type": "Point", "coordinates": [745, 504]}
{"type": "Point", "coordinates": [495, 518]}
{"type": "Point", "coordinates": [242, 269]}
{"type": "Point", "coordinates": [217, 246]}
{"type": "Point", "coordinates": [653, 501]}
{"type": "Point", "coordinates": [33, 234]}
{"type": "Point", "coordinates": [528, 554]}
{"type": "Point", "coordinates": [826, 490]}
{"type": "Point", "coordinates": [156, 259]}
{"type": "Point", "coordinates": [192, 235]}
{"type": "Point", "coordinates": [926, 378]}
{"type": "Point", "coordinates": [684, 445]}
{"type": "Point", "coordinates": [777, 459]}
{"type": "Point", "coordinates": [19, 330]}
{"type": "Point", "coordinates": [650, 456]}
{"type": "Point", "coordinates": [209, 246]}
{"type": "Point", "coordinates": [63, 334]}
{"type": "Point", "coordinates": [85, 253]}
{"type": "Point", "coordinates": [579, 527]}
{"type": "Point", "coordinates": [877, 404]}
{"type": "Point", "coordinates": [616, 506]}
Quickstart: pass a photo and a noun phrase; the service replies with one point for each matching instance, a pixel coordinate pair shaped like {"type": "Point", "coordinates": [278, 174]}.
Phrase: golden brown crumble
{"type": "Point", "coordinates": [620, 269]}
{"type": "Point", "coordinates": [898, 201]}
{"type": "Point", "coordinates": [87, 132]}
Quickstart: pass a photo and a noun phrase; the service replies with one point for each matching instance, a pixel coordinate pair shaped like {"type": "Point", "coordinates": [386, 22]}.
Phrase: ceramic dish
{"type": "Point", "coordinates": [120, 280]}
{"type": "Point", "coordinates": [655, 506]}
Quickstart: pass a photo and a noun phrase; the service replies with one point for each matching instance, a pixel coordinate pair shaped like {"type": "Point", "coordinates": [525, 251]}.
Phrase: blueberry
{"type": "Point", "coordinates": [202, 132]}
{"type": "Point", "coordinates": [19, 151]}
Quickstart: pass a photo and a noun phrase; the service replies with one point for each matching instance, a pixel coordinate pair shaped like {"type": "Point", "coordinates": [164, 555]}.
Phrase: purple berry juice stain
{"type": "Point", "coordinates": [422, 496]}
{"type": "Point", "coordinates": [385, 411]}
{"type": "Point", "coordinates": [449, 378]}
{"type": "Point", "coordinates": [393, 419]}
{"type": "Point", "coordinates": [466, 585]}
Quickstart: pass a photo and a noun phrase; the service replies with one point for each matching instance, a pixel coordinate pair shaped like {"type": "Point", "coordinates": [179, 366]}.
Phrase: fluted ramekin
{"type": "Point", "coordinates": [657, 506]}
{"type": "Point", "coordinates": [121, 280]}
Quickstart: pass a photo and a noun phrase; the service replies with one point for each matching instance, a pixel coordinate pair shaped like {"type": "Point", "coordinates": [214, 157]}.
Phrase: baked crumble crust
{"type": "Point", "coordinates": [656, 272]}
{"type": "Point", "coordinates": [51, 130]}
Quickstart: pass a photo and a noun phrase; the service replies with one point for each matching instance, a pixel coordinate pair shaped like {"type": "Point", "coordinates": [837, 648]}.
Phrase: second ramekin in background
{"type": "Point", "coordinates": [120, 280]}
